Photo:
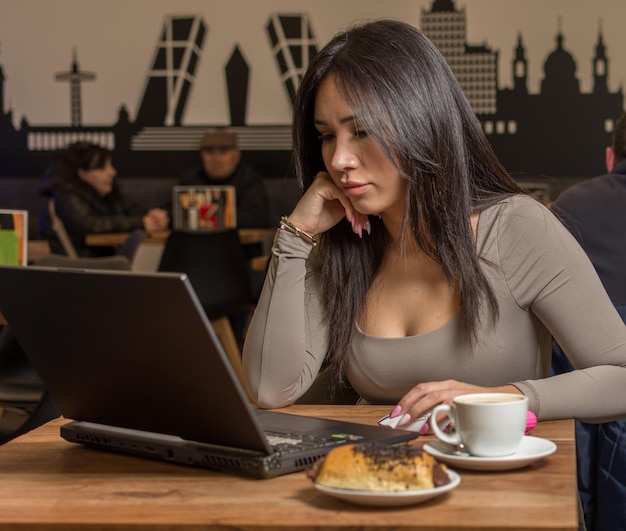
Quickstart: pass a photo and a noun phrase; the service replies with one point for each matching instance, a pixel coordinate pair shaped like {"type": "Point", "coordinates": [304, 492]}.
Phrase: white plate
{"type": "Point", "coordinates": [390, 499]}
{"type": "Point", "coordinates": [530, 449]}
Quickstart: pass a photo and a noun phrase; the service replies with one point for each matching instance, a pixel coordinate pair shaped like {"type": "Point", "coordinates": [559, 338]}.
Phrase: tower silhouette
{"type": "Point", "coordinates": [293, 45]}
{"type": "Point", "coordinates": [172, 73]}
{"type": "Point", "coordinates": [75, 78]}
{"type": "Point", "coordinates": [237, 76]}
{"type": "Point", "coordinates": [520, 67]}
{"type": "Point", "coordinates": [600, 64]}
{"type": "Point", "coordinates": [475, 66]}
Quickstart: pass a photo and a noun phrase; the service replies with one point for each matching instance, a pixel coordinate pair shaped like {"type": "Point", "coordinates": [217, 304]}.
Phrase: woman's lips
{"type": "Point", "coordinates": [354, 189]}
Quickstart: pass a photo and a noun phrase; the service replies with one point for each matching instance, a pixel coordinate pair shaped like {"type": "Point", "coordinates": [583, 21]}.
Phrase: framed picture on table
{"type": "Point", "coordinates": [13, 237]}
{"type": "Point", "coordinates": [204, 207]}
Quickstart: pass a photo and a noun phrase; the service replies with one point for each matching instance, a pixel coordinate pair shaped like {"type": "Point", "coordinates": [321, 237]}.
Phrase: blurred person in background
{"type": "Point", "coordinates": [594, 211]}
{"type": "Point", "coordinates": [87, 199]}
{"type": "Point", "coordinates": [221, 164]}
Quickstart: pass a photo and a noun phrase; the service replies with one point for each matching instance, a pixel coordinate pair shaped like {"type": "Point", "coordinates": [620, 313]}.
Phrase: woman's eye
{"type": "Point", "coordinates": [323, 137]}
{"type": "Point", "coordinates": [360, 133]}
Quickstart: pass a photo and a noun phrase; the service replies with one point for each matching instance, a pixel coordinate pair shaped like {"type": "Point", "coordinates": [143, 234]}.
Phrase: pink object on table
{"type": "Point", "coordinates": [531, 421]}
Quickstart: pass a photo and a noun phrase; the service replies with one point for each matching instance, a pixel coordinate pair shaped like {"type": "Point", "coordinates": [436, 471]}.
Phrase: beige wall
{"type": "Point", "coordinates": [116, 39]}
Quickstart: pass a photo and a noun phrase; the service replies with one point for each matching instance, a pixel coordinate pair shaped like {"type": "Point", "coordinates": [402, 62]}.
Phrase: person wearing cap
{"type": "Point", "coordinates": [222, 164]}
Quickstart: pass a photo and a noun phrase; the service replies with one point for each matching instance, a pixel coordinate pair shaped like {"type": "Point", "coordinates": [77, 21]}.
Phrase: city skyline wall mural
{"type": "Point", "coordinates": [147, 77]}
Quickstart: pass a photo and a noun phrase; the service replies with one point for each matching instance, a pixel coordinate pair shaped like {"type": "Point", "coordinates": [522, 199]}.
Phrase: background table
{"type": "Point", "coordinates": [113, 239]}
{"type": "Point", "coordinates": [47, 483]}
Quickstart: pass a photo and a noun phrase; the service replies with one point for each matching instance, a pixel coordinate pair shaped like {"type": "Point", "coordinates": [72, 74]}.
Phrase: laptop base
{"type": "Point", "coordinates": [227, 459]}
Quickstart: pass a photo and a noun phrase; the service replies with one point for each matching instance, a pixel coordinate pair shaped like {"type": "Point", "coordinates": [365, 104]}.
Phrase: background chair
{"type": "Point", "coordinates": [131, 244]}
{"type": "Point", "coordinates": [24, 402]}
{"type": "Point", "coordinates": [147, 257]}
{"type": "Point", "coordinates": [117, 262]}
{"type": "Point", "coordinates": [215, 263]}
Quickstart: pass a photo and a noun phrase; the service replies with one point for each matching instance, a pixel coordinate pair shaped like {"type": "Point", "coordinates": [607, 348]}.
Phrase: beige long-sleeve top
{"type": "Point", "coordinates": [545, 286]}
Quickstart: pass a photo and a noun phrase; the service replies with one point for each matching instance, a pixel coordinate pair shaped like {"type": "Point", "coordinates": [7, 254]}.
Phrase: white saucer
{"type": "Point", "coordinates": [530, 449]}
{"type": "Point", "coordinates": [390, 499]}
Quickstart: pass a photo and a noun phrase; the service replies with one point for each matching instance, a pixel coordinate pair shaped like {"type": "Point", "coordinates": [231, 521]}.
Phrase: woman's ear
{"type": "Point", "coordinates": [610, 159]}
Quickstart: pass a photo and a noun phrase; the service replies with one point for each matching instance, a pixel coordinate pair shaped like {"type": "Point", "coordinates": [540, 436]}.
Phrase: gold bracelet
{"type": "Point", "coordinates": [287, 225]}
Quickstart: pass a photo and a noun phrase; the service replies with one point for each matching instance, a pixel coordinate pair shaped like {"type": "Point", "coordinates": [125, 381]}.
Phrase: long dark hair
{"type": "Point", "coordinates": [404, 94]}
{"type": "Point", "coordinates": [66, 162]}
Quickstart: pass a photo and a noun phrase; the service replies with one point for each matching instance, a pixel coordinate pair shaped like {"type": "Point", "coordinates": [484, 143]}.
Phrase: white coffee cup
{"type": "Point", "coordinates": [486, 424]}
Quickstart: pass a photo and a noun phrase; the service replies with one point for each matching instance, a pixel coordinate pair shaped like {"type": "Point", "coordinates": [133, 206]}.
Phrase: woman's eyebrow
{"type": "Point", "coordinates": [319, 121]}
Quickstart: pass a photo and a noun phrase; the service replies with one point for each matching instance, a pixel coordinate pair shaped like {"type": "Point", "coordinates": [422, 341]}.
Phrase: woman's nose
{"type": "Point", "coordinates": [344, 156]}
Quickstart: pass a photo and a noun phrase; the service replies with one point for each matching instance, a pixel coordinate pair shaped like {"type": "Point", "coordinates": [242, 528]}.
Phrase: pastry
{"type": "Point", "coordinates": [376, 467]}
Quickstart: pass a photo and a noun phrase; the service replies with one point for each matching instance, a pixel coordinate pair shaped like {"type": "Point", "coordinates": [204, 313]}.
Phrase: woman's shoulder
{"type": "Point", "coordinates": [517, 223]}
{"type": "Point", "coordinates": [518, 203]}
{"type": "Point", "coordinates": [517, 210]}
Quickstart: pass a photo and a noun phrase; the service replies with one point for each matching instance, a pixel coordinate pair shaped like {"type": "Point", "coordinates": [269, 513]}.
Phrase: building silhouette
{"type": "Point", "coordinates": [293, 45]}
{"type": "Point", "coordinates": [560, 126]}
{"type": "Point", "coordinates": [172, 72]}
{"type": "Point", "coordinates": [558, 132]}
{"type": "Point", "coordinates": [238, 83]}
{"type": "Point", "coordinates": [475, 66]}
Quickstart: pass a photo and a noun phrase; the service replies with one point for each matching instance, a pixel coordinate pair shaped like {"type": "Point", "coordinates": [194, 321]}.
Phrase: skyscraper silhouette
{"type": "Point", "coordinates": [172, 73]}
{"type": "Point", "coordinates": [475, 66]}
{"type": "Point", "coordinates": [293, 45]}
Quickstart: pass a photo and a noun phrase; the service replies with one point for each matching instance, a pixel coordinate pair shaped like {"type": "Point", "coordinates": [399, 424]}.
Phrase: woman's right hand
{"type": "Point", "coordinates": [323, 205]}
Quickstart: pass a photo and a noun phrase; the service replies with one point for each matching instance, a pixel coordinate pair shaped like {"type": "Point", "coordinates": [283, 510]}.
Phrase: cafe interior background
{"type": "Point", "coordinates": [147, 78]}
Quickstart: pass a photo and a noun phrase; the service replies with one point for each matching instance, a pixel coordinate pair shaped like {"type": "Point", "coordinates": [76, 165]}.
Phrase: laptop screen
{"type": "Point", "coordinates": [204, 207]}
{"type": "Point", "coordinates": [128, 349]}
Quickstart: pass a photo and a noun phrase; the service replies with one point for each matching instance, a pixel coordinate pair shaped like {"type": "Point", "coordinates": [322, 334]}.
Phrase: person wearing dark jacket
{"type": "Point", "coordinates": [87, 199]}
{"type": "Point", "coordinates": [222, 165]}
{"type": "Point", "coordinates": [594, 211]}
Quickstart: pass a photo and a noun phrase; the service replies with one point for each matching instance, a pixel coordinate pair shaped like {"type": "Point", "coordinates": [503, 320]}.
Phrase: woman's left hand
{"type": "Point", "coordinates": [425, 396]}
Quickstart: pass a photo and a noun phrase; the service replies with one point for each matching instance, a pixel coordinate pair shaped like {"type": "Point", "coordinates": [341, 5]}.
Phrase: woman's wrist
{"type": "Point", "coordinates": [287, 225]}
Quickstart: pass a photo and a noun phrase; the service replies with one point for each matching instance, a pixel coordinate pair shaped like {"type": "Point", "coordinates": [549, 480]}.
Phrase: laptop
{"type": "Point", "coordinates": [131, 359]}
{"type": "Point", "coordinates": [204, 207]}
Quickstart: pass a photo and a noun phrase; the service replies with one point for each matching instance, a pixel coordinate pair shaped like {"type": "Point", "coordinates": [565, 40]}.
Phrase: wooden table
{"type": "Point", "coordinates": [113, 239]}
{"type": "Point", "coordinates": [47, 483]}
{"type": "Point", "coordinates": [37, 249]}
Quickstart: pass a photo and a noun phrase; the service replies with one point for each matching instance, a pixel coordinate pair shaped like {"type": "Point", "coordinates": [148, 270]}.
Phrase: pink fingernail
{"type": "Point", "coordinates": [531, 422]}
{"type": "Point", "coordinates": [360, 231]}
{"type": "Point", "coordinates": [424, 429]}
{"type": "Point", "coordinates": [406, 418]}
{"type": "Point", "coordinates": [368, 227]}
{"type": "Point", "coordinates": [396, 411]}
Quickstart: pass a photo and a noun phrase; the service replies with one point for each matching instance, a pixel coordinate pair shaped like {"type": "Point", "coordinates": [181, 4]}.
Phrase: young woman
{"type": "Point", "coordinates": [88, 200]}
{"type": "Point", "coordinates": [413, 265]}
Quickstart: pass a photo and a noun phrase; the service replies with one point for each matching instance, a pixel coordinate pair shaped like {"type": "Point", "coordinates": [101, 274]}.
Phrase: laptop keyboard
{"type": "Point", "coordinates": [291, 442]}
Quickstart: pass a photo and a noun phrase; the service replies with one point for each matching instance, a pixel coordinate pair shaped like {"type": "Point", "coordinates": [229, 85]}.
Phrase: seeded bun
{"type": "Point", "coordinates": [379, 468]}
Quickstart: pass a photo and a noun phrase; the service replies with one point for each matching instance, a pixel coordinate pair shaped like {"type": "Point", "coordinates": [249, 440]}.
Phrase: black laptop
{"type": "Point", "coordinates": [133, 361]}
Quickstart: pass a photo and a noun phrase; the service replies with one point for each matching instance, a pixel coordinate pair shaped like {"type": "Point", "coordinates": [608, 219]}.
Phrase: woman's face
{"type": "Point", "coordinates": [100, 178]}
{"type": "Point", "coordinates": [356, 163]}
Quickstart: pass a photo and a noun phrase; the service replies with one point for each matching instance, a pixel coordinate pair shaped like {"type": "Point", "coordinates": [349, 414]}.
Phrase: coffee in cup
{"type": "Point", "coordinates": [486, 424]}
